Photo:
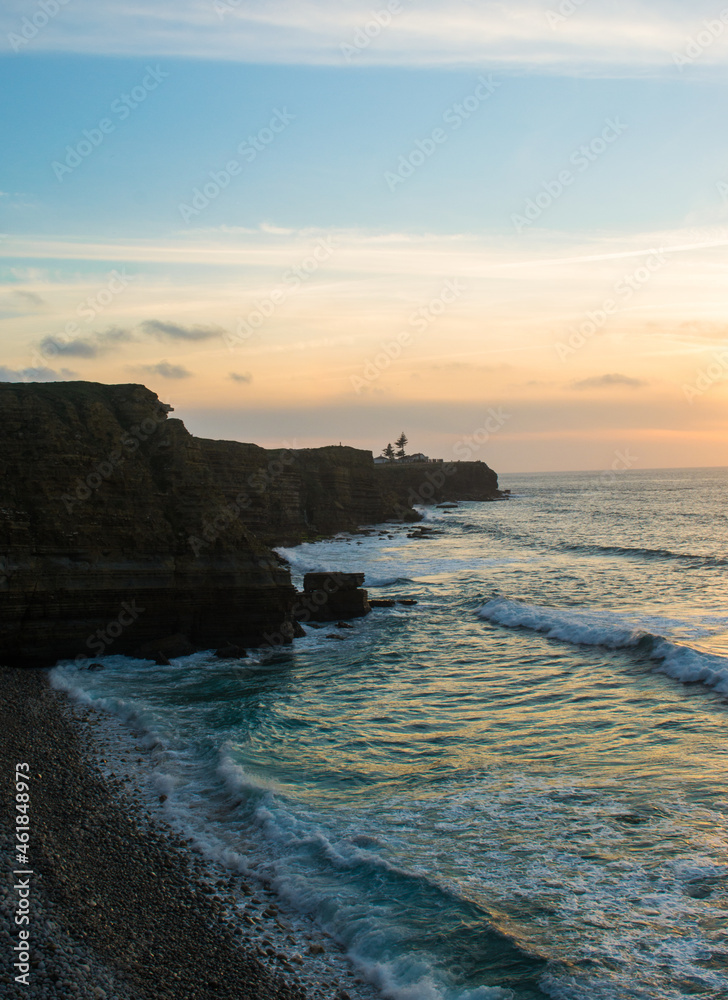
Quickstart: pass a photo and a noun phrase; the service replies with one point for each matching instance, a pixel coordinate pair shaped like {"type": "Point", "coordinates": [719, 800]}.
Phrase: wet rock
{"type": "Point", "coordinates": [165, 649]}
{"type": "Point", "coordinates": [333, 581]}
{"type": "Point", "coordinates": [230, 652]}
{"type": "Point", "coordinates": [330, 597]}
{"type": "Point", "coordinates": [381, 602]}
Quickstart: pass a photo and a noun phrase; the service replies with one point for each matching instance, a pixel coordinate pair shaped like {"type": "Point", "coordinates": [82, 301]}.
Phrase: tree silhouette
{"type": "Point", "coordinates": [401, 443]}
{"type": "Point", "coordinates": [388, 452]}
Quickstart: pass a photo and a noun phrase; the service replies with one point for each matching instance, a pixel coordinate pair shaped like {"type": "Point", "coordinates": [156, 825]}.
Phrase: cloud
{"type": "Point", "coordinates": [35, 375]}
{"type": "Point", "coordinates": [376, 252]}
{"type": "Point", "coordinates": [175, 331]}
{"type": "Point", "coordinates": [81, 348]}
{"type": "Point", "coordinates": [112, 336]}
{"type": "Point", "coordinates": [606, 381]}
{"type": "Point", "coordinates": [86, 347]}
{"type": "Point", "coordinates": [29, 297]}
{"type": "Point", "coordinates": [167, 370]}
{"type": "Point", "coordinates": [598, 38]}
{"type": "Point", "coordinates": [237, 377]}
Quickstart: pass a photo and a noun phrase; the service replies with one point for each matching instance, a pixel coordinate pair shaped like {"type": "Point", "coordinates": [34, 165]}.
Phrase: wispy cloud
{"type": "Point", "coordinates": [92, 346]}
{"type": "Point", "coordinates": [166, 370]}
{"type": "Point", "coordinates": [114, 336]}
{"type": "Point", "coordinates": [237, 377]}
{"type": "Point", "coordinates": [28, 298]}
{"type": "Point", "coordinates": [175, 331]}
{"type": "Point", "coordinates": [609, 381]}
{"type": "Point", "coordinates": [79, 348]}
{"type": "Point", "coordinates": [365, 251]}
{"type": "Point", "coordinates": [601, 37]}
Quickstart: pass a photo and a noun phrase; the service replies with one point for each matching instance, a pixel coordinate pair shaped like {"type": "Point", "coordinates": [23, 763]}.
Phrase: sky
{"type": "Point", "coordinates": [499, 227]}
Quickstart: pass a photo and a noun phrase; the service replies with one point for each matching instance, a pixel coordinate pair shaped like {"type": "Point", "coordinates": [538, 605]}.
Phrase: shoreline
{"type": "Point", "coordinates": [122, 907]}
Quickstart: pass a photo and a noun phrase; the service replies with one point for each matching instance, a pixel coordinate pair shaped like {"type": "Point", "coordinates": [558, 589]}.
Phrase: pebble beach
{"type": "Point", "coordinates": [121, 907]}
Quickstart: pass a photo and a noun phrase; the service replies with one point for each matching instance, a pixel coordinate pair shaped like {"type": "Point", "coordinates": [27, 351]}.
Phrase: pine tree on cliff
{"type": "Point", "coordinates": [401, 443]}
{"type": "Point", "coordinates": [388, 452]}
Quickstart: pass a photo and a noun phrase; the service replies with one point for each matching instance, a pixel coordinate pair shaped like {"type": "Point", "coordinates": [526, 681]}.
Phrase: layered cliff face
{"type": "Point", "coordinates": [118, 528]}
{"type": "Point", "coordinates": [99, 495]}
{"type": "Point", "coordinates": [286, 496]}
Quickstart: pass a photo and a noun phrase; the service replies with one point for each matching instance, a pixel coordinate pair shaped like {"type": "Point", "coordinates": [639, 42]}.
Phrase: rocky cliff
{"type": "Point", "coordinates": [286, 496]}
{"type": "Point", "coordinates": [118, 528]}
{"type": "Point", "coordinates": [404, 484]}
{"type": "Point", "coordinates": [100, 491]}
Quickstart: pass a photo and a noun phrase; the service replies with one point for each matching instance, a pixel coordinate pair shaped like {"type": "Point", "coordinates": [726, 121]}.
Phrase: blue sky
{"type": "Point", "coordinates": [350, 128]}
{"type": "Point", "coordinates": [93, 181]}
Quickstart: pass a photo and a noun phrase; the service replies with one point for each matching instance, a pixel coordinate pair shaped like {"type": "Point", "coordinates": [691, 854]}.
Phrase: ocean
{"type": "Point", "coordinates": [515, 788]}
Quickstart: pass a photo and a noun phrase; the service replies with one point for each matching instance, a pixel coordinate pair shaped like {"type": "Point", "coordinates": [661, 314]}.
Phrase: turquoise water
{"type": "Point", "coordinates": [515, 788]}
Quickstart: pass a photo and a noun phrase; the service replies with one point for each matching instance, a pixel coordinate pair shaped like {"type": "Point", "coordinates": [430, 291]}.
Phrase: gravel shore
{"type": "Point", "coordinates": [119, 905]}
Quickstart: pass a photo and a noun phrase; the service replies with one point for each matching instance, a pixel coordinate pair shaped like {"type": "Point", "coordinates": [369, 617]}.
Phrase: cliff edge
{"type": "Point", "coordinates": [99, 492]}
{"type": "Point", "coordinates": [119, 528]}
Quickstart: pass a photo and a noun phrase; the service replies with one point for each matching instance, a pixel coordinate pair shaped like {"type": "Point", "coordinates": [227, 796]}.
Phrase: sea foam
{"type": "Point", "coordinates": [613, 631]}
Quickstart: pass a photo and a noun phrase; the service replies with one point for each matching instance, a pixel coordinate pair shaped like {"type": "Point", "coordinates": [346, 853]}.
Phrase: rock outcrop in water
{"type": "Point", "coordinates": [119, 529]}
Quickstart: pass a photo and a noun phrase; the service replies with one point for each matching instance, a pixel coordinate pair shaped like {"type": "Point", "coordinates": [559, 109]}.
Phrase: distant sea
{"type": "Point", "coordinates": [517, 787]}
